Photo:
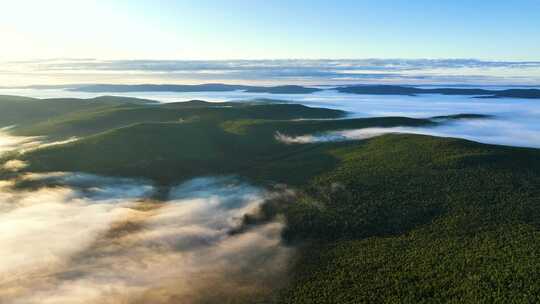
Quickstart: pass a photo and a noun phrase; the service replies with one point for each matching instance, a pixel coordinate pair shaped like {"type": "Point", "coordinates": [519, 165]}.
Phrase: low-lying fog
{"type": "Point", "coordinates": [515, 121]}
{"type": "Point", "coordinates": [79, 238]}
{"type": "Point", "coordinates": [9, 142]}
{"type": "Point", "coordinates": [494, 131]}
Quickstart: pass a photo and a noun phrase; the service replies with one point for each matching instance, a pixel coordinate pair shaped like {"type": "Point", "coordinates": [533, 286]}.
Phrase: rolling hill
{"type": "Point", "coordinates": [396, 218]}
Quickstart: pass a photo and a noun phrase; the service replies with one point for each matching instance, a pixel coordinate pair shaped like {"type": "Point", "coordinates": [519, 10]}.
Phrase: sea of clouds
{"type": "Point", "coordinates": [297, 71]}
{"type": "Point", "coordinates": [514, 122]}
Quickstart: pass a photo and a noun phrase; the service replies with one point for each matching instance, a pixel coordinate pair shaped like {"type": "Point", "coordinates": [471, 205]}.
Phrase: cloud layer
{"type": "Point", "coordinates": [422, 71]}
{"type": "Point", "coordinates": [87, 239]}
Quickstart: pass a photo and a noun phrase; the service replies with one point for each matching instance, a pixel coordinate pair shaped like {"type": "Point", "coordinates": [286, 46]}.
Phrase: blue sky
{"type": "Point", "coordinates": [241, 29]}
{"type": "Point", "coordinates": [360, 29]}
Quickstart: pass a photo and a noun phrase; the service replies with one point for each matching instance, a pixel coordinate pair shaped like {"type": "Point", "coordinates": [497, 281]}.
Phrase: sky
{"type": "Point", "coordinates": [241, 29]}
{"type": "Point", "coordinates": [32, 30]}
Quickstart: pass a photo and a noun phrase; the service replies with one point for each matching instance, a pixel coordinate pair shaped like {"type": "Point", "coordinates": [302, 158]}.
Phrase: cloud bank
{"type": "Point", "coordinates": [83, 238]}
{"type": "Point", "coordinates": [293, 71]}
{"type": "Point", "coordinates": [490, 131]}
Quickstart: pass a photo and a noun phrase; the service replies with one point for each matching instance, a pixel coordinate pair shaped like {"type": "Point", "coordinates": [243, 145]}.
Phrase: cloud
{"type": "Point", "coordinates": [55, 143]}
{"type": "Point", "coordinates": [91, 239]}
{"type": "Point", "coordinates": [22, 144]}
{"type": "Point", "coordinates": [374, 65]}
{"type": "Point", "coordinates": [287, 71]}
{"type": "Point", "coordinates": [10, 143]}
{"type": "Point", "coordinates": [490, 131]}
{"type": "Point", "coordinates": [14, 165]}
{"type": "Point", "coordinates": [309, 138]}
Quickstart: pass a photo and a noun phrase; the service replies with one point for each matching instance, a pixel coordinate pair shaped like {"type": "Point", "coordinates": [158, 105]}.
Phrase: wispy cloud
{"type": "Point", "coordinates": [277, 65]}
{"type": "Point", "coordinates": [22, 144]}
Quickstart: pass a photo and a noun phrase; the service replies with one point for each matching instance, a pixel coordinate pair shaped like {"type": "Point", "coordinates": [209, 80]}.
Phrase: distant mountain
{"type": "Point", "coordinates": [121, 88]}
{"type": "Point", "coordinates": [285, 89]}
{"type": "Point", "coordinates": [412, 91]}
{"type": "Point", "coordinates": [295, 89]}
{"type": "Point", "coordinates": [516, 93]}
{"type": "Point", "coordinates": [208, 87]}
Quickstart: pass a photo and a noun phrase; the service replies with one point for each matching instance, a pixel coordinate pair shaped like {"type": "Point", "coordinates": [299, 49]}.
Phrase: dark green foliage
{"type": "Point", "coordinates": [393, 219]}
{"type": "Point", "coordinates": [172, 142]}
{"type": "Point", "coordinates": [301, 127]}
{"type": "Point", "coordinates": [418, 219]}
{"type": "Point", "coordinates": [24, 111]}
{"type": "Point", "coordinates": [87, 117]}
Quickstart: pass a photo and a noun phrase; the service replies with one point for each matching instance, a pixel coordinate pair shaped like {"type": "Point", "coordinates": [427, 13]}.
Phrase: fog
{"type": "Point", "coordinates": [515, 121]}
{"type": "Point", "coordinates": [80, 238]}
{"type": "Point", "coordinates": [9, 142]}
{"type": "Point", "coordinates": [489, 131]}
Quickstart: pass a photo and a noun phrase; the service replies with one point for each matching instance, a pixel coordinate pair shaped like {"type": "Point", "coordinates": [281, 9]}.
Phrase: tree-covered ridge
{"type": "Point", "coordinates": [413, 91]}
{"type": "Point", "coordinates": [295, 89]}
{"type": "Point", "coordinates": [419, 219]}
{"type": "Point", "coordinates": [392, 219]}
{"type": "Point", "coordinates": [172, 142]}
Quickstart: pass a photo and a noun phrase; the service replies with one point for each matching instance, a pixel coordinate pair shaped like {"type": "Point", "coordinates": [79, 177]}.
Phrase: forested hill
{"type": "Point", "coordinates": [391, 219]}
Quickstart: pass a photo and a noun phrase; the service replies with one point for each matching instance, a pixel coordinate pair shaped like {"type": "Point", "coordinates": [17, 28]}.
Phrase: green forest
{"type": "Point", "coordinates": [397, 218]}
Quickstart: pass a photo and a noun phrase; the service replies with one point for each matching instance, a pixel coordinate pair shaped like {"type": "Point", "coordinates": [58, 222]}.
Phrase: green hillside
{"type": "Point", "coordinates": [172, 142]}
{"type": "Point", "coordinates": [393, 219]}
{"type": "Point", "coordinates": [24, 111]}
{"type": "Point", "coordinates": [80, 117]}
{"type": "Point", "coordinates": [418, 219]}
{"type": "Point", "coordinates": [172, 152]}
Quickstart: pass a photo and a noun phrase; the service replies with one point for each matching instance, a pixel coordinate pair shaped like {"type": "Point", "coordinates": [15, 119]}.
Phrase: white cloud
{"type": "Point", "coordinates": [283, 71]}
{"type": "Point", "coordinates": [14, 165]}
{"type": "Point", "coordinates": [69, 244]}
{"type": "Point", "coordinates": [490, 131]}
